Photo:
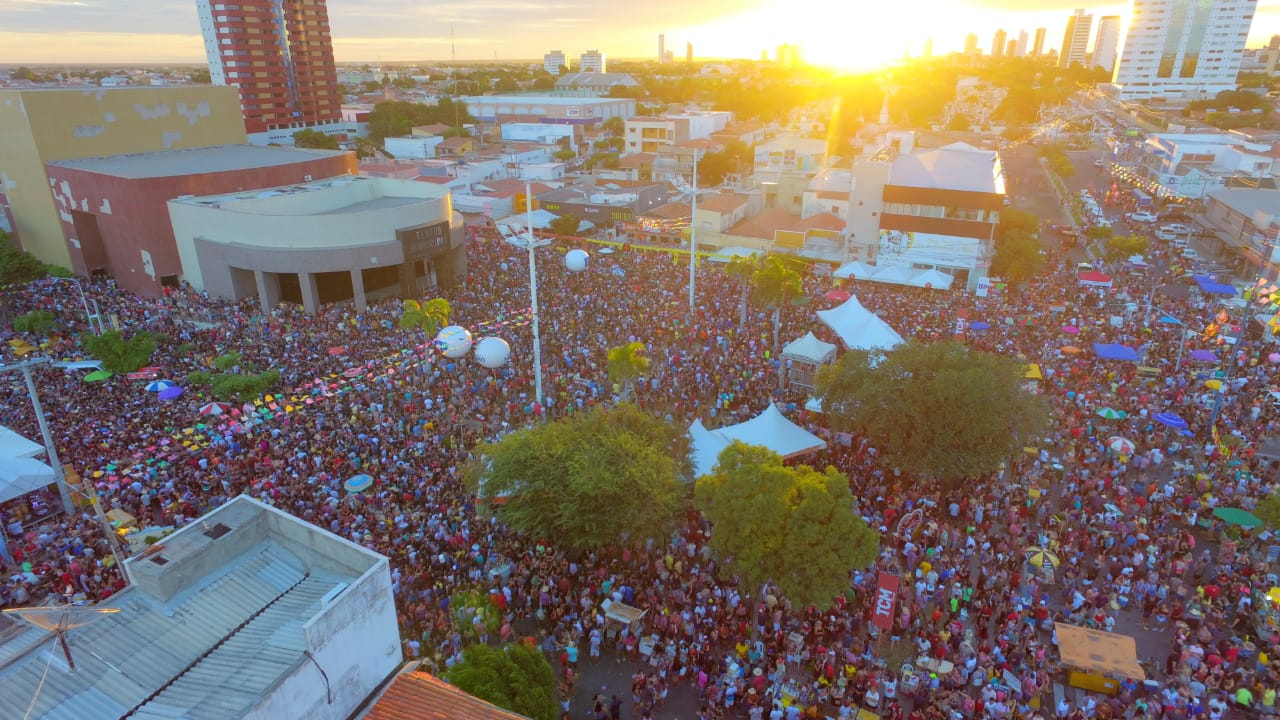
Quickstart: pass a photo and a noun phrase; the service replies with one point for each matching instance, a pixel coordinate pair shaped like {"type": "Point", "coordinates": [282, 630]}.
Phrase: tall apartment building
{"type": "Point", "coordinates": [928, 48]}
{"type": "Point", "coordinates": [278, 55]}
{"type": "Point", "coordinates": [688, 52]}
{"type": "Point", "coordinates": [1021, 49]}
{"type": "Point", "coordinates": [1177, 50]}
{"type": "Point", "coordinates": [662, 48]}
{"type": "Point", "coordinates": [971, 44]}
{"type": "Point", "coordinates": [1076, 40]}
{"type": "Point", "coordinates": [591, 61]}
{"type": "Point", "coordinates": [1037, 47]}
{"type": "Point", "coordinates": [553, 60]}
{"type": "Point", "coordinates": [1106, 43]}
{"type": "Point", "coordinates": [997, 43]}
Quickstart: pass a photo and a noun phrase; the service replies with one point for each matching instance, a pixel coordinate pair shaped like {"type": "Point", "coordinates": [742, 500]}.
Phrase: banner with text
{"type": "Point", "coordinates": [886, 596]}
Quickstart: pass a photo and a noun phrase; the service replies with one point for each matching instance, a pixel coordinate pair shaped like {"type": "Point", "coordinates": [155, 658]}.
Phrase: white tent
{"type": "Point", "coordinates": [932, 278]}
{"type": "Point", "coordinates": [770, 429]}
{"type": "Point", "coordinates": [19, 476]}
{"type": "Point", "coordinates": [859, 328]}
{"type": "Point", "coordinates": [809, 349]}
{"type": "Point", "coordinates": [896, 274]}
{"type": "Point", "coordinates": [13, 445]}
{"type": "Point", "coordinates": [855, 270]}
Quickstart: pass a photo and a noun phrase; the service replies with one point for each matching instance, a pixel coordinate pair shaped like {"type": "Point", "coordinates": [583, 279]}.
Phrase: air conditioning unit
{"type": "Point", "coordinates": [306, 178]}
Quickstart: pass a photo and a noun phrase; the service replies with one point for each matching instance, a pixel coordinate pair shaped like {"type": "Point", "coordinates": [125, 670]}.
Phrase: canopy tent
{"type": "Point", "coordinates": [859, 328]}
{"type": "Point", "coordinates": [19, 476]}
{"type": "Point", "coordinates": [1095, 279]}
{"type": "Point", "coordinates": [895, 274]}
{"type": "Point", "coordinates": [13, 445]}
{"type": "Point", "coordinates": [809, 349]}
{"type": "Point", "coordinates": [770, 429]}
{"type": "Point", "coordinates": [1106, 351]}
{"type": "Point", "coordinates": [814, 404]}
{"type": "Point", "coordinates": [1212, 287]}
{"type": "Point", "coordinates": [1094, 651]}
{"type": "Point", "coordinates": [855, 270]}
{"type": "Point", "coordinates": [933, 278]}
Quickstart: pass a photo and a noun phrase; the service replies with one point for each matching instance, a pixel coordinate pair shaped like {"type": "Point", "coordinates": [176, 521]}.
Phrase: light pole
{"type": "Point", "coordinates": [24, 367]}
{"type": "Point", "coordinates": [88, 316]}
{"type": "Point", "coordinates": [533, 292]}
{"type": "Point", "coordinates": [693, 235]}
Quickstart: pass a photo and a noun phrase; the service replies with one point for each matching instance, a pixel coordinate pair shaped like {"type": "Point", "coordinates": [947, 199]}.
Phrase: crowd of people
{"type": "Point", "coordinates": [1138, 550]}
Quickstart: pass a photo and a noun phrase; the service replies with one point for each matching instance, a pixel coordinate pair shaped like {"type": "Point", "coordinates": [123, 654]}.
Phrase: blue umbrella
{"type": "Point", "coordinates": [979, 325]}
{"type": "Point", "coordinates": [1203, 355]}
{"type": "Point", "coordinates": [1170, 419]}
{"type": "Point", "coordinates": [358, 483]}
{"type": "Point", "coordinates": [158, 385]}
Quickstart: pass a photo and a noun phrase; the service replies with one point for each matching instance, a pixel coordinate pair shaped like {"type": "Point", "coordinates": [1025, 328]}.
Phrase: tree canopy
{"type": "Point", "coordinates": [308, 138]}
{"type": "Point", "coordinates": [626, 363]}
{"type": "Point", "coordinates": [937, 410]}
{"type": "Point", "coordinates": [514, 677]}
{"type": "Point", "coordinates": [794, 527]}
{"type": "Point", "coordinates": [1018, 250]}
{"type": "Point", "coordinates": [429, 316]}
{"type": "Point", "coordinates": [566, 224]}
{"type": "Point", "coordinates": [394, 118]}
{"type": "Point", "coordinates": [118, 354]}
{"type": "Point", "coordinates": [589, 479]}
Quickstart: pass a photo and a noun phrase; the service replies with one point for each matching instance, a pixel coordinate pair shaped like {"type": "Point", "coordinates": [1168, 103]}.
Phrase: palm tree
{"type": "Point", "coordinates": [429, 316]}
{"type": "Point", "coordinates": [776, 286]}
{"type": "Point", "coordinates": [742, 267]}
{"type": "Point", "coordinates": [626, 363]}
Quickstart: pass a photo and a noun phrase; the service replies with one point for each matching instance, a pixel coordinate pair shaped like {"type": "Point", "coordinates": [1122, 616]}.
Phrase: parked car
{"type": "Point", "coordinates": [1099, 163]}
{"type": "Point", "coordinates": [1142, 217]}
{"type": "Point", "coordinates": [1190, 254]}
{"type": "Point", "coordinates": [1176, 229]}
{"type": "Point", "coordinates": [1163, 234]}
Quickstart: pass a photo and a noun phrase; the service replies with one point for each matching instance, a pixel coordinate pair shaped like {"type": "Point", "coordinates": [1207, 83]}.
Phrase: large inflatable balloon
{"type": "Point", "coordinates": [576, 260]}
{"type": "Point", "coordinates": [493, 352]}
{"type": "Point", "coordinates": [453, 341]}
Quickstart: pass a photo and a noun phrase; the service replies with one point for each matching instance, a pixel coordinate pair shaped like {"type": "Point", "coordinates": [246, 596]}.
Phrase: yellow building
{"type": "Point", "coordinates": [41, 126]}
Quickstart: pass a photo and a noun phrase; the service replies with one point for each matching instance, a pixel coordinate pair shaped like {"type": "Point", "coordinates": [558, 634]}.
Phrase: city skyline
{"type": "Point", "coordinates": [104, 31]}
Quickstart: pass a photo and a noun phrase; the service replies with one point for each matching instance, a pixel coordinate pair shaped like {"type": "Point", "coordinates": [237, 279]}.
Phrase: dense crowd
{"type": "Point", "coordinates": [1140, 551]}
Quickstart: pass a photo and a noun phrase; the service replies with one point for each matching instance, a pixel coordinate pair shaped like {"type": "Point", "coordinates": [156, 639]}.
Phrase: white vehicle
{"type": "Point", "coordinates": [1163, 234]}
{"type": "Point", "coordinates": [1142, 217]}
{"type": "Point", "coordinates": [1190, 254]}
{"type": "Point", "coordinates": [1176, 229]}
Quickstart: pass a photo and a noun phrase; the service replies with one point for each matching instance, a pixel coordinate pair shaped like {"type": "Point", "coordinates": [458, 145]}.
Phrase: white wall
{"type": "Point", "coordinates": [539, 132]}
{"type": "Point", "coordinates": [412, 147]}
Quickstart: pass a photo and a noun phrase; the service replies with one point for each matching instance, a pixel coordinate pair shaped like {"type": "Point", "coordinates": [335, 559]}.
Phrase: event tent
{"type": "Point", "coordinates": [1095, 279]}
{"type": "Point", "coordinates": [895, 274]}
{"type": "Point", "coordinates": [809, 349]}
{"type": "Point", "coordinates": [932, 278]}
{"type": "Point", "coordinates": [859, 328]}
{"type": "Point", "coordinates": [1212, 287]}
{"type": "Point", "coordinates": [1115, 351]}
{"type": "Point", "coordinates": [13, 445]}
{"type": "Point", "coordinates": [19, 476]}
{"type": "Point", "coordinates": [855, 270]}
{"type": "Point", "coordinates": [770, 429]}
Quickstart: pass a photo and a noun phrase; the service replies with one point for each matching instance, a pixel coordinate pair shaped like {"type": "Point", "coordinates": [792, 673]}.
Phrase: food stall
{"type": "Point", "coordinates": [619, 617]}
{"type": "Point", "coordinates": [1097, 660]}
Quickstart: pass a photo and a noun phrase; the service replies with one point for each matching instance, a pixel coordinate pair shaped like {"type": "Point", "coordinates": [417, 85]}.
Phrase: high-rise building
{"type": "Point", "coordinates": [1182, 50]}
{"type": "Point", "coordinates": [928, 48]}
{"type": "Point", "coordinates": [1273, 56]}
{"type": "Point", "coordinates": [1021, 49]}
{"type": "Point", "coordinates": [1076, 40]}
{"type": "Point", "coordinates": [591, 61]}
{"type": "Point", "coordinates": [1037, 47]}
{"type": "Point", "coordinates": [279, 55]}
{"type": "Point", "coordinates": [971, 44]}
{"type": "Point", "coordinates": [1011, 48]}
{"type": "Point", "coordinates": [662, 48]}
{"type": "Point", "coordinates": [997, 43]}
{"type": "Point", "coordinates": [787, 55]}
{"type": "Point", "coordinates": [554, 60]}
{"type": "Point", "coordinates": [688, 52]}
{"type": "Point", "coordinates": [1106, 43]}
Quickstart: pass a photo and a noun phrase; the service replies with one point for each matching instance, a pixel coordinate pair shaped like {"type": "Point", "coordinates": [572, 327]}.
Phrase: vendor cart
{"type": "Point", "coordinates": [620, 618]}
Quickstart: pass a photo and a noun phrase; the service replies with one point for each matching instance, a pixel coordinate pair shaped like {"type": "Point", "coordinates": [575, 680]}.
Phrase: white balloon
{"type": "Point", "coordinates": [576, 260]}
{"type": "Point", "coordinates": [453, 341]}
{"type": "Point", "coordinates": [492, 352]}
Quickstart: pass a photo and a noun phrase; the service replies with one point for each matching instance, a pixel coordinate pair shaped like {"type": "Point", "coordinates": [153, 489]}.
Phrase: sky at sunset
{"type": "Point", "coordinates": [849, 33]}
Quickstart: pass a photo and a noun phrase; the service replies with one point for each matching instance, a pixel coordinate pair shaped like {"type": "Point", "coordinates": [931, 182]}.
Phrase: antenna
{"type": "Point", "coordinates": [58, 619]}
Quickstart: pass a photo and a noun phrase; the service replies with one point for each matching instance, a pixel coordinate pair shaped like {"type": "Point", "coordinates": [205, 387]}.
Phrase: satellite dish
{"type": "Point", "coordinates": [59, 619]}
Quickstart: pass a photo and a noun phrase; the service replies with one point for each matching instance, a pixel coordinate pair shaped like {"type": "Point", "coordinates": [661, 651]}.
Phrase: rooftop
{"type": "Point", "coordinates": [421, 696]}
{"type": "Point", "coordinates": [957, 166]}
{"type": "Point", "coordinates": [1262, 205]}
{"type": "Point", "coordinates": [214, 620]}
{"type": "Point", "coordinates": [340, 195]}
{"type": "Point", "coordinates": [541, 100]}
{"type": "Point", "coordinates": [723, 202]}
{"type": "Point", "coordinates": [194, 161]}
{"type": "Point", "coordinates": [771, 220]}
{"type": "Point", "coordinates": [595, 78]}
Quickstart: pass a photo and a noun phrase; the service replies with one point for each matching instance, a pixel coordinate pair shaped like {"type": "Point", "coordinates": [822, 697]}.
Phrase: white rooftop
{"type": "Point", "coordinates": [195, 161]}
{"type": "Point", "coordinates": [540, 100]}
{"type": "Point", "coordinates": [957, 166]}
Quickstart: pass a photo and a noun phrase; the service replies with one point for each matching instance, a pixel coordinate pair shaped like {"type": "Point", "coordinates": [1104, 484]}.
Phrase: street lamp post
{"type": "Point", "coordinates": [533, 292]}
{"type": "Point", "coordinates": [693, 235]}
{"type": "Point", "coordinates": [24, 367]}
{"type": "Point", "coordinates": [88, 316]}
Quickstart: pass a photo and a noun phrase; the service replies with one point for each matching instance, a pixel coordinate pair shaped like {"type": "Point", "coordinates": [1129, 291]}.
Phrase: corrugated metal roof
{"type": "Point", "coordinates": [421, 696]}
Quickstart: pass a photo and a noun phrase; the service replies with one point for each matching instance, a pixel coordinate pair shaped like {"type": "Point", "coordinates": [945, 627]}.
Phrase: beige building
{"type": "Point", "coordinates": [42, 126]}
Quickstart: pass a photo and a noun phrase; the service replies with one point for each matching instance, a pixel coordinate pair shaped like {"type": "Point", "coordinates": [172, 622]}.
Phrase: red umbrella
{"type": "Point", "coordinates": [837, 295]}
{"type": "Point", "coordinates": [337, 350]}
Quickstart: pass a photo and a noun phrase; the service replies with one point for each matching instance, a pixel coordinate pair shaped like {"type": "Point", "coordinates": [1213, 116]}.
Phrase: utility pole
{"type": "Point", "coordinates": [25, 367]}
{"type": "Point", "coordinates": [693, 236]}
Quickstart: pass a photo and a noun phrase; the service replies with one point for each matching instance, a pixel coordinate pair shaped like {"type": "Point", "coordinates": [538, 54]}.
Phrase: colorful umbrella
{"type": "Point", "coordinates": [978, 325]}
{"type": "Point", "coordinates": [1171, 420]}
{"type": "Point", "coordinates": [837, 295]}
{"type": "Point", "coordinates": [215, 408]}
{"type": "Point", "coordinates": [158, 385]}
{"type": "Point", "coordinates": [1203, 355]}
{"type": "Point", "coordinates": [1070, 329]}
{"type": "Point", "coordinates": [1107, 413]}
{"type": "Point", "coordinates": [358, 483]}
{"type": "Point", "coordinates": [1042, 558]}
{"type": "Point", "coordinates": [170, 393]}
{"type": "Point", "coordinates": [1071, 350]}
{"type": "Point", "coordinates": [337, 350]}
{"type": "Point", "coordinates": [1236, 516]}
{"type": "Point", "coordinates": [97, 375]}
{"type": "Point", "coordinates": [1119, 445]}
{"type": "Point", "coordinates": [1213, 384]}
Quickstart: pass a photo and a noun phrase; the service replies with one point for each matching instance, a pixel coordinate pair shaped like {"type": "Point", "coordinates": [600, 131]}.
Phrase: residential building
{"type": "Point", "coordinates": [593, 84]}
{"type": "Point", "coordinates": [1037, 47]}
{"type": "Point", "coordinates": [418, 695]}
{"type": "Point", "coordinates": [1075, 41]}
{"type": "Point", "coordinates": [787, 55]}
{"type": "Point", "coordinates": [819, 236]}
{"type": "Point", "coordinates": [998, 43]}
{"type": "Point", "coordinates": [548, 109]}
{"type": "Point", "coordinates": [278, 55]}
{"type": "Point", "coordinates": [721, 211]}
{"type": "Point", "coordinates": [248, 612]}
{"type": "Point", "coordinates": [413, 147]}
{"type": "Point", "coordinates": [1273, 55]}
{"type": "Point", "coordinates": [1011, 48]}
{"type": "Point", "coordinates": [1177, 51]}
{"type": "Point", "coordinates": [783, 168]}
{"type": "Point", "coordinates": [678, 157]}
{"type": "Point", "coordinates": [592, 61]}
{"type": "Point", "coordinates": [41, 126]}
{"type": "Point", "coordinates": [928, 209]}
{"type": "Point", "coordinates": [688, 52]}
{"type": "Point", "coordinates": [343, 239]}
{"type": "Point", "coordinates": [1191, 165]}
{"type": "Point", "coordinates": [971, 44]}
{"type": "Point", "coordinates": [662, 48]}
{"type": "Point", "coordinates": [564, 135]}
{"type": "Point", "coordinates": [1020, 50]}
{"type": "Point", "coordinates": [553, 60]}
{"type": "Point", "coordinates": [1106, 43]}
{"type": "Point", "coordinates": [648, 134]}
{"type": "Point", "coordinates": [828, 192]}
{"type": "Point", "coordinates": [1245, 222]}
{"type": "Point", "coordinates": [602, 206]}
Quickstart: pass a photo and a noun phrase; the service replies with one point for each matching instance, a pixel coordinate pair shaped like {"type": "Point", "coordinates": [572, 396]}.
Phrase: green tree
{"type": "Point", "coordinates": [308, 138]}
{"type": "Point", "coordinates": [937, 410]}
{"type": "Point", "coordinates": [564, 154]}
{"type": "Point", "coordinates": [118, 354]}
{"type": "Point", "coordinates": [37, 322]}
{"type": "Point", "coordinates": [241, 387]}
{"type": "Point", "coordinates": [794, 527]}
{"type": "Point", "coordinates": [1122, 247]}
{"type": "Point", "coordinates": [777, 286]}
{"type": "Point", "coordinates": [17, 266]}
{"type": "Point", "coordinates": [742, 268]}
{"type": "Point", "coordinates": [626, 363]}
{"type": "Point", "coordinates": [588, 479]}
{"type": "Point", "coordinates": [1019, 254]}
{"type": "Point", "coordinates": [429, 316]}
{"type": "Point", "coordinates": [200, 76]}
{"type": "Point", "coordinates": [615, 126]}
{"type": "Point", "coordinates": [1268, 510]}
{"type": "Point", "coordinates": [566, 224]}
{"type": "Point", "coordinates": [514, 677]}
